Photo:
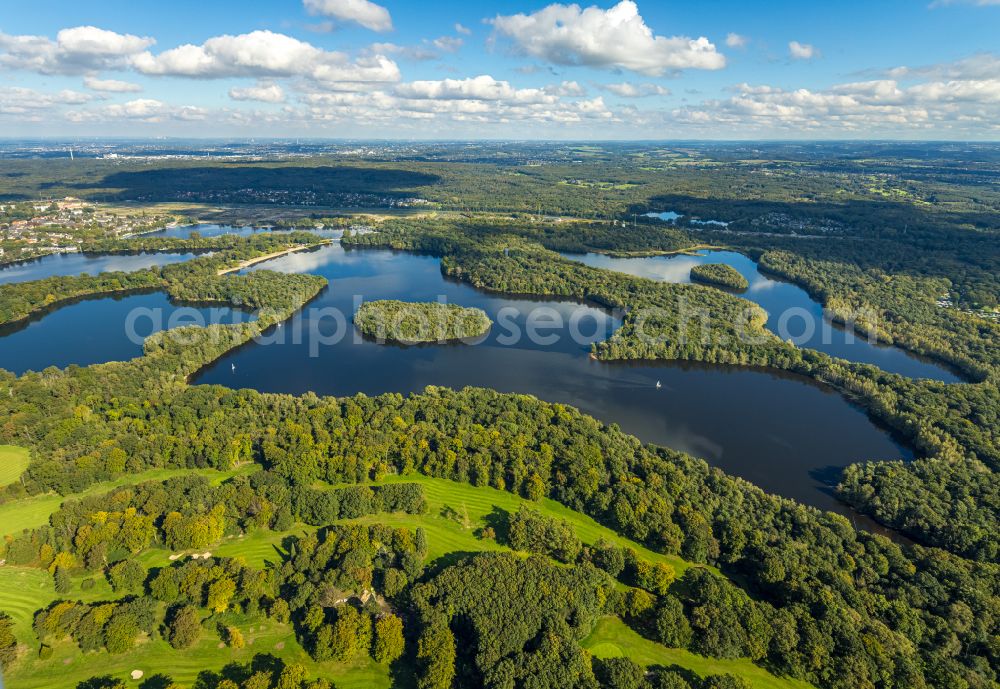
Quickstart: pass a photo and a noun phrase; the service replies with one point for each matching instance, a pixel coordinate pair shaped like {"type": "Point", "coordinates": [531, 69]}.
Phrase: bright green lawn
{"type": "Point", "coordinates": [24, 590]}
{"type": "Point", "coordinates": [448, 531]}
{"type": "Point", "coordinates": [473, 504]}
{"type": "Point", "coordinates": [455, 512]}
{"type": "Point", "coordinates": [29, 513]}
{"type": "Point", "coordinates": [68, 667]}
{"type": "Point", "coordinates": [613, 638]}
{"type": "Point", "coordinates": [13, 462]}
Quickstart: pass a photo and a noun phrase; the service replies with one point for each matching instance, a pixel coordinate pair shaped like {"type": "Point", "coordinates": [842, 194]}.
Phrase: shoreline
{"type": "Point", "coordinates": [267, 257]}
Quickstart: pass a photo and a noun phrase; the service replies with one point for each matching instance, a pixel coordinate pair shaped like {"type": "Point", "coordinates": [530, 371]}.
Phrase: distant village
{"type": "Point", "coordinates": [29, 229]}
{"type": "Point", "coordinates": [282, 197]}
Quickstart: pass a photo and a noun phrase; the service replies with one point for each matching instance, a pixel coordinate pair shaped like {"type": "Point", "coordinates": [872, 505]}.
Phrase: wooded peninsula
{"type": "Point", "coordinates": [220, 537]}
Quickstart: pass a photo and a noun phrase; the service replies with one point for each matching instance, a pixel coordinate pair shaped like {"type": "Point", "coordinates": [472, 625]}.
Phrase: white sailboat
{"type": "Point", "coordinates": [658, 385]}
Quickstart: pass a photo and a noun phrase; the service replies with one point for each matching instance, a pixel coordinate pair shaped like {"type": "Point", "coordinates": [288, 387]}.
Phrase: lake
{"type": "Point", "coordinates": [206, 230]}
{"type": "Point", "coordinates": [92, 264]}
{"type": "Point", "coordinates": [783, 432]}
{"type": "Point", "coordinates": [792, 313]}
{"type": "Point", "coordinates": [214, 230]}
{"type": "Point", "coordinates": [97, 330]}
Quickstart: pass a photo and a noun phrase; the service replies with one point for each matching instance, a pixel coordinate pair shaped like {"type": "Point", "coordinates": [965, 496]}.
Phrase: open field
{"type": "Point", "coordinates": [13, 462]}
{"type": "Point", "coordinates": [24, 590]}
{"type": "Point", "coordinates": [29, 513]}
{"type": "Point", "coordinates": [612, 638]}
{"type": "Point", "coordinates": [455, 513]}
{"type": "Point", "coordinates": [470, 506]}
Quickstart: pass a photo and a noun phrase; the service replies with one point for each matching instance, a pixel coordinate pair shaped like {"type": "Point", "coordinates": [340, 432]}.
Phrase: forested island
{"type": "Point", "coordinates": [720, 275]}
{"type": "Point", "coordinates": [414, 323]}
{"type": "Point", "coordinates": [220, 538]}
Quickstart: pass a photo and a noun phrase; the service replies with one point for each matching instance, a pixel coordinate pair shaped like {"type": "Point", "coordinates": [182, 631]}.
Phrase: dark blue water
{"type": "Point", "coordinates": [673, 216]}
{"type": "Point", "coordinates": [784, 433]}
{"type": "Point", "coordinates": [792, 313]}
{"type": "Point", "coordinates": [213, 230]}
{"type": "Point", "coordinates": [93, 331]}
{"type": "Point", "coordinates": [206, 230]}
{"type": "Point", "coordinates": [92, 264]}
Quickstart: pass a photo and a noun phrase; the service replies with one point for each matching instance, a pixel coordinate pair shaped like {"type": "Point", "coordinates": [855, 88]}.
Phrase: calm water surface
{"type": "Point", "coordinates": [92, 264]}
{"type": "Point", "coordinates": [792, 313]}
{"type": "Point", "coordinates": [205, 230]}
{"type": "Point", "coordinates": [782, 432]}
{"type": "Point", "coordinates": [93, 331]}
{"type": "Point", "coordinates": [214, 230]}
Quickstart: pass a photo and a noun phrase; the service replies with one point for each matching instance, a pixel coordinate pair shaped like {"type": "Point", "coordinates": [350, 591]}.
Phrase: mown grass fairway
{"type": "Point", "coordinates": [29, 513]}
{"type": "Point", "coordinates": [24, 590]}
{"type": "Point", "coordinates": [456, 512]}
{"type": "Point", "coordinates": [470, 506]}
{"type": "Point", "coordinates": [68, 667]}
{"type": "Point", "coordinates": [613, 638]}
{"type": "Point", "coordinates": [13, 462]}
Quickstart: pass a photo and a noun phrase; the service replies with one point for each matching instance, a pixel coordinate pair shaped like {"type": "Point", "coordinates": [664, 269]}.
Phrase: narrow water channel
{"type": "Point", "coordinates": [97, 330]}
{"type": "Point", "coordinates": [792, 313]}
{"type": "Point", "coordinates": [91, 264]}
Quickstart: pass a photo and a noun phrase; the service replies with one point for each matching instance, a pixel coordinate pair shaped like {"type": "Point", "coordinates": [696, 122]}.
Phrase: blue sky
{"type": "Point", "coordinates": [522, 69]}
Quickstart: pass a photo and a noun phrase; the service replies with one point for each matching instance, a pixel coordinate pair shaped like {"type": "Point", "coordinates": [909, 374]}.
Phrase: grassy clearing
{"type": "Point", "coordinates": [29, 513]}
{"type": "Point", "coordinates": [68, 667]}
{"type": "Point", "coordinates": [470, 506]}
{"type": "Point", "coordinates": [455, 513]}
{"type": "Point", "coordinates": [13, 462]}
{"type": "Point", "coordinates": [613, 638]}
{"type": "Point", "coordinates": [25, 590]}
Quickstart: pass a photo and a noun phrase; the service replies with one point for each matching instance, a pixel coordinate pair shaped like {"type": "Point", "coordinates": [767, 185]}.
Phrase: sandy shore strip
{"type": "Point", "coordinates": [267, 257]}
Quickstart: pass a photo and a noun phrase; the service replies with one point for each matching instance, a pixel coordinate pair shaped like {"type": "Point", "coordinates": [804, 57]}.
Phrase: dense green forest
{"type": "Point", "coordinates": [83, 426]}
{"type": "Point", "coordinates": [411, 323]}
{"type": "Point", "coordinates": [670, 502]}
{"type": "Point", "coordinates": [719, 274]}
{"type": "Point", "coordinates": [467, 538]}
{"type": "Point", "coordinates": [955, 427]}
{"type": "Point", "coordinates": [195, 280]}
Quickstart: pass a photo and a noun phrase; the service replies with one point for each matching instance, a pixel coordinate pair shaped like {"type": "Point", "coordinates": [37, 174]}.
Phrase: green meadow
{"type": "Point", "coordinates": [13, 462]}
{"type": "Point", "coordinates": [455, 515]}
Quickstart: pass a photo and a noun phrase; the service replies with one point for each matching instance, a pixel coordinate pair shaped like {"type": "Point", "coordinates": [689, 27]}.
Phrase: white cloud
{"type": "Point", "coordinates": [89, 40]}
{"type": "Point", "coordinates": [363, 12]}
{"type": "Point", "coordinates": [464, 30]}
{"type": "Point", "coordinates": [140, 110]}
{"type": "Point", "coordinates": [483, 87]}
{"type": "Point", "coordinates": [448, 44]}
{"type": "Point", "coordinates": [978, 66]}
{"type": "Point", "coordinates": [451, 105]}
{"type": "Point", "coordinates": [567, 88]}
{"type": "Point", "coordinates": [613, 38]}
{"type": "Point", "coordinates": [76, 50]}
{"type": "Point", "coordinates": [426, 50]}
{"type": "Point", "coordinates": [735, 40]}
{"type": "Point", "coordinates": [265, 54]}
{"type": "Point", "coordinates": [418, 53]}
{"type": "Point", "coordinates": [629, 90]}
{"type": "Point", "coordinates": [263, 92]}
{"type": "Point", "coordinates": [110, 85]}
{"type": "Point", "coordinates": [24, 101]}
{"type": "Point", "coordinates": [447, 105]}
{"type": "Point", "coordinates": [802, 51]}
{"type": "Point", "coordinates": [861, 108]}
